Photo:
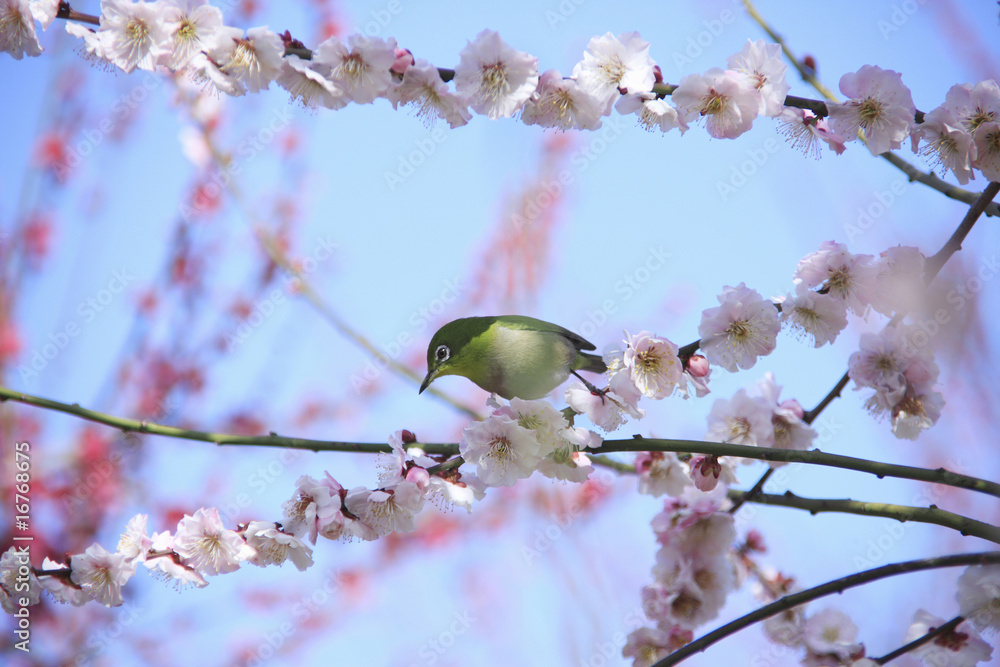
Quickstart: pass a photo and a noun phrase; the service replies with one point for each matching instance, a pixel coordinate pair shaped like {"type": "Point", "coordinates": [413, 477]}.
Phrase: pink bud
{"type": "Point", "coordinates": [792, 406]}
{"type": "Point", "coordinates": [697, 366]}
{"type": "Point", "coordinates": [408, 437]}
{"type": "Point", "coordinates": [657, 74]}
{"type": "Point", "coordinates": [418, 476]}
{"type": "Point", "coordinates": [755, 541]}
{"type": "Point", "coordinates": [403, 60]}
{"type": "Point", "coordinates": [705, 471]}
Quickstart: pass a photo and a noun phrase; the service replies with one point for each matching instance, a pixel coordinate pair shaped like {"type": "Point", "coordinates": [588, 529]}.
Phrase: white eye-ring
{"type": "Point", "coordinates": [442, 353]}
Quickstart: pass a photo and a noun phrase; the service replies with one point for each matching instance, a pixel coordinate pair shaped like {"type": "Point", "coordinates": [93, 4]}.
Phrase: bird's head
{"type": "Point", "coordinates": [458, 348]}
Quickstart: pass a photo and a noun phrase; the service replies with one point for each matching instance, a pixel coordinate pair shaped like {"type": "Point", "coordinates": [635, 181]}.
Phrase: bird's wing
{"type": "Point", "coordinates": [530, 323]}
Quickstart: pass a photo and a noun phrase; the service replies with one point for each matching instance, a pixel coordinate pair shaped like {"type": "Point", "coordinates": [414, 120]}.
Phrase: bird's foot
{"type": "Point", "coordinates": [590, 387]}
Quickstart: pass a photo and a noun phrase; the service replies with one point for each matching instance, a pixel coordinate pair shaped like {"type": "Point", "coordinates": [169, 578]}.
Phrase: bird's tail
{"type": "Point", "coordinates": [591, 363]}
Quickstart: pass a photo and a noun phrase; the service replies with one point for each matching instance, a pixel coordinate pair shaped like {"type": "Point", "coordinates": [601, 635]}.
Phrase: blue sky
{"type": "Point", "coordinates": [405, 247]}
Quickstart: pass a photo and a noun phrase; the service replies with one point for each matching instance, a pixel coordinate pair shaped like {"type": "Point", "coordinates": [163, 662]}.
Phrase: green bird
{"type": "Point", "coordinates": [510, 355]}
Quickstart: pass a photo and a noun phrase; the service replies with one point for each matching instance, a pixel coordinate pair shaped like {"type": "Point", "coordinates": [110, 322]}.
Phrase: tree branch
{"type": "Point", "coordinates": [902, 513]}
{"type": "Point", "coordinates": [638, 444]}
{"type": "Point", "coordinates": [835, 586]}
{"type": "Point", "coordinates": [813, 457]}
{"type": "Point", "coordinates": [920, 641]}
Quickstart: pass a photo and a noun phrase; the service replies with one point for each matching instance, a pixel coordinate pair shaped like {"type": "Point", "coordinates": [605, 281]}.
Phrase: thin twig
{"type": "Point", "coordinates": [835, 586]}
{"type": "Point", "coordinates": [902, 513]}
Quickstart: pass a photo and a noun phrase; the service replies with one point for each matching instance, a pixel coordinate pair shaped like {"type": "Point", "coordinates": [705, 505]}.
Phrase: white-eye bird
{"type": "Point", "coordinates": [510, 355]}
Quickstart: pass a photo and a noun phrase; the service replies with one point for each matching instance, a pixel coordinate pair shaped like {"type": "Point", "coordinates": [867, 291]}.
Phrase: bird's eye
{"type": "Point", "coordinates": [442, 353]}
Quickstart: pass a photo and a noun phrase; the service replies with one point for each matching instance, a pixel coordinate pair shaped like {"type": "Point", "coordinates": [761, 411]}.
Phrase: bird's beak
{"type": "Point", "coordinates": [427, 380]}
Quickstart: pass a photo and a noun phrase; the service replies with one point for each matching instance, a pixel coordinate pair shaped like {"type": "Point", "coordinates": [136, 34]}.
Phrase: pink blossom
{"type": "Point", "coordinates": [880, 105]}
{"type": "Point", "coordinates": [101, 574]}
{"type": "Point", "coordinates": [727, 100]}
{"type": "Point", "coordinates": [208, 546]}
{"type": "Point", "coordinates": [496, 79]}
{"type": "Point", "coordinates": [744, 327]}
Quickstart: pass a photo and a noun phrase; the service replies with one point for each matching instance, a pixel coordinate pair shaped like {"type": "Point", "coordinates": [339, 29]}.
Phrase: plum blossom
{"type": "Point", "coordinates": [741, 420]}
{"type": "Point", "coordinates": [978, 596]}
{"type": "Point", "coordinates": [613, 65]}
{"type": "Point", "coordinates": [647, 646]}
{"type": "Point", "coordinates": [804, 130]}
{"type": "Point", "coordinates": [960, 647]}
{"type": "Point", "coordinates": [562, 104]}
{"type": "Point", "coordinates": [661, 473]}
{"type": "Point", "coordinates": [101, 574]}
{"type": "Point", "coordinates": [728, 101]}
{"type": "Point", "coordinates": [899, 365]}
{"type": "Point", "coordinates": [790, 429]}
{"type": "Point", "coordinates": [134, 33]}
{"type": "Point", "coordinates": [17, 29]}
{"type": "Point", "coordinates": [830, 632]}
{"type": "Point", "coordinates": [744, 327]}
{"type": "Point", "coordinates": [653, 364]}
{"type": "Point", "coordinates": [44, 11]}
{"type": "Point", "coordinates": [134, 543]}
{"type": "Point", "coordinates": [308, 86]}
{"type": "Point", "coordinates": [274, 546]}
{"type": "Point", "coordinates": [879, 104]}
{"type": "Point", "coordinates": [313, 507]}
{"type": "Point", "coordinates": [423, 89]}
{"type": "Point", "coordinates": [191, 26]}
{"type": "Point", "coordinates": [850, 278]}
{"type": "Point", "coordinates": [974, 105]}
{"type": "Point", "coordinates": [165, 564]}
{"type": "Point", "coordinates": [652, 112]}
{"type": "Point", "coordinates": [208, 546]}
{"type": "Point", "coordinates": [502, 450]}
{"type": "Point", "coordinates": [386, 510]}
{"type": "Point", "coordinates": [496, 79]}
{"type": "Point", "coordinates": [811, 314]}
{"type": "Point", "coordinates": [93, 48]}
{"type": "Point", "coordinates": [987, 141]}
{"type": "Point", "coordinates": [460, 490]}
{"type": "Point", "coordinates": [764, 68]}
{"type": "Point", "coordinates": [361, 68]}
{"type": "Point", "coordinates": [947, 143]}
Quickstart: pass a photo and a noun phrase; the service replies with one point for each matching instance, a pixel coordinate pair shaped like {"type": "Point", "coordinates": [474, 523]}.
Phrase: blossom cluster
{"type": "Point", "coordinates": [495, 80]}
{"type": "Point", "coordinates": [830, 283]}
{"type": "Point", "coordinates": [200, 546]}
{"type": "Point", "coordinates": [693, 575]}
{"type": "Point", "coordinates": [830, 637]}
